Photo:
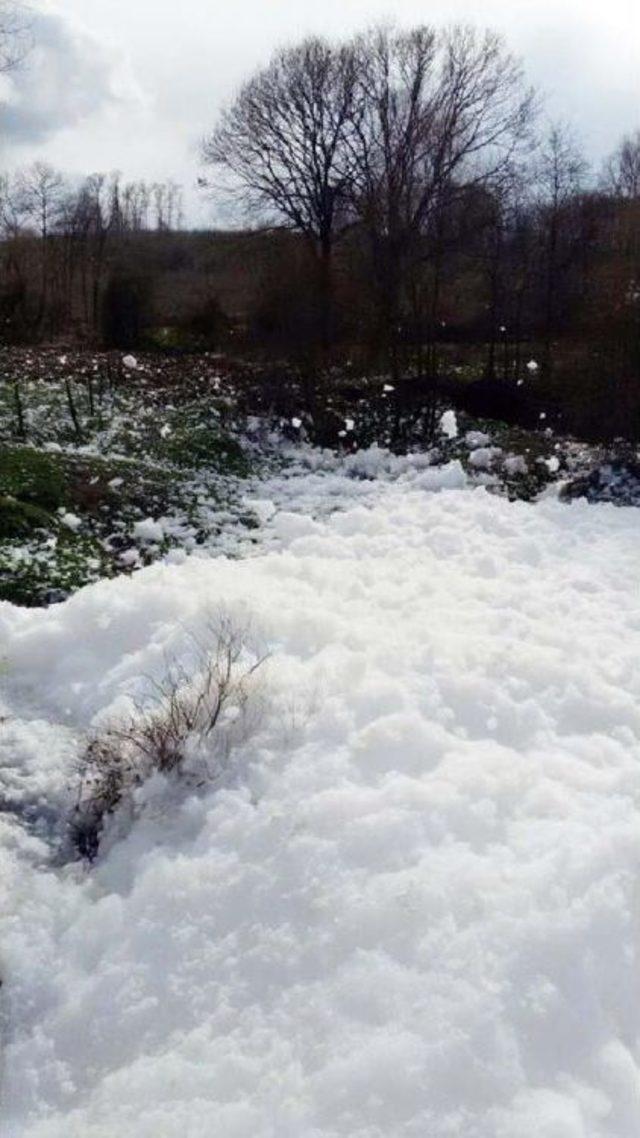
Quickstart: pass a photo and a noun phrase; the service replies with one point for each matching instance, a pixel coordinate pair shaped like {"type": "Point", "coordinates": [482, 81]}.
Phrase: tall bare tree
{"type": "Point", "coordinates": [40, 191]}
{"type": "Point", "coordinates": [40, 195]}
{"type": "Point", "coordinates": [560, 176]}
{"type": "Point", "coordinates": [284, 141]}
{"type": "Point", "coordinates": [441, 111]}
{"type": "Point", "coordinates": [622, 171]}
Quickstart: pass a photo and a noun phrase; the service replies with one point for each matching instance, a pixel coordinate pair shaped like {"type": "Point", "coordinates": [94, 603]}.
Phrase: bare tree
{"type": "Point", "coordinates": [560, 176]}
{"type": "Point", "coordinates": [10, 220]}
{"type": "Point", "coordinates": [284, 141]}
{"type": "Point", "coordinates": [441, 111]}
{"type": "Point", "coordinates": [40, 191]}
{"type": "Point", "coordinates": [159, 191]}
{"type": "Point", "coordinates": [622, 171]}
{"type": "Point", "coordinates": [91, 228]}
{"type": "Point", "coordinates": [40, 194]}
{"type": "Point", "coordinates": [174, 210]}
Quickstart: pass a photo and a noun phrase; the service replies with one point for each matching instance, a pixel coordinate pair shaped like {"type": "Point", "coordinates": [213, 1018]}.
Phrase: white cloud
{"type": "Point", "coordinates": [65, 79]}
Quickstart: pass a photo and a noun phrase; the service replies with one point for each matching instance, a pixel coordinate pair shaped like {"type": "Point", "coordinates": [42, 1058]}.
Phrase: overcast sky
{"type": "Point", "coordinates": [134, 84]}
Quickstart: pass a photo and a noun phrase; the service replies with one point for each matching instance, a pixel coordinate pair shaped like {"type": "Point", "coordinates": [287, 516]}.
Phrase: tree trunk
{"type": "Point", "coordinates": [326, 294]}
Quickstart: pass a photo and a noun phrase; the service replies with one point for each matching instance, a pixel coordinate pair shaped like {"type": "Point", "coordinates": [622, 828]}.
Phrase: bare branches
{"type": "Point", "coordinates": [377, 132]}
{"type": "Point", "coordinates": [622, 171]}
{"type": "Point", "coordinates": [284, 137]}
{"type": "Point", "coordinates": [441, 113]}
{"type": "Point", "coordinates": [380, 123]}
{"type": "Point", "coordinates": [561, 167]}
{"type": "Point", "coordinates": [39, 195]}
{"type": "Point", "coordinates": [285, 143]}
{"type": "Point", "coordinates": [196, 705]}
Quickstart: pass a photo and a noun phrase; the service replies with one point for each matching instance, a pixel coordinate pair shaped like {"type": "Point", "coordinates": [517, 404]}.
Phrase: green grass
{"type": "Point", "coordinates": [50, 567]}
{"type": "Point", "coordinates": [20, 519]}
{"type": "Point", "coordinates": [203, 447]}
{"type": "Point", "coordinates": [144, 455]}
{"type": "Point", "coordinates": [165, 446]}
{"type": "Point", "coordinates": [31, 476]}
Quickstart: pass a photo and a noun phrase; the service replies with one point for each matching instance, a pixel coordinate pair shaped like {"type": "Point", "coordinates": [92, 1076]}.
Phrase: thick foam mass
{"type": "Point", "coordinates": [410, 909]}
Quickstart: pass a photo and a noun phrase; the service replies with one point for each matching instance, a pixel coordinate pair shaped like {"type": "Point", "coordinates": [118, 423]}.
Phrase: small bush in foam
{"type": "Point", "coordinates": [192, 706]}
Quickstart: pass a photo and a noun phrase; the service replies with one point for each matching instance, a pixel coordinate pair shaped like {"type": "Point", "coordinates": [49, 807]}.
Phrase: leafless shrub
{"type": "Point", "coordinates": [203, 707]}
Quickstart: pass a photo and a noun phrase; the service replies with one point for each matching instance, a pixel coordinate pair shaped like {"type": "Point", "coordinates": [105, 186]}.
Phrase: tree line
{"type": "Point", "coordinates": [409, 198]}
{"type": "Point", "coordinates": [58, 242]}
